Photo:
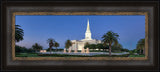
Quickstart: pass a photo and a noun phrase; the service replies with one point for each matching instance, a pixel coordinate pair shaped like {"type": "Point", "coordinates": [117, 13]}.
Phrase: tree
{"type": "Point", "coordinates": [30, 50]}
{"type": "Point", "coordinates": [125, 50]}
{"type": "Point", "coordinates": [86, 45]}
{"type": "Point", "coordinates": [141, 45]}
{"type": "Point", "coordinates": [37, 47]}
{"type": "Point", "coordinates": [138, 47]}
{"type": "Point", "coordinates": [100, 46]}
{"type": "Point", "coordinates": [117, 47]}
{"type": "Point", "coordinates": [56, 45]}
{"type": "Point", "coordinates": [92, 46]}
{"type": "Point", "coordinates": [48, 49]}
{"type": "Point", "coordinates": [106, 46]}
{"type": "Point", "coordinates": [68, 43]}
{"type": "Point", "coordinates": [110, 37]}
{"type": "Point", "coordinates": [135, 50]}
{"type": "Point", "coordinates": [51, 43]}
{"type": "Point", "coordinates": [19, 49]}
{"type": "Point", "coordinates": [18, 33]}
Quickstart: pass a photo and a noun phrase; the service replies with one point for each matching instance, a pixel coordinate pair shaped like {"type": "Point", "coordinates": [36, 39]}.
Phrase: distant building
{"type": "Point", "coordinates": [79, 44]}
{"type": "Point", "coordinates": [43, 51]}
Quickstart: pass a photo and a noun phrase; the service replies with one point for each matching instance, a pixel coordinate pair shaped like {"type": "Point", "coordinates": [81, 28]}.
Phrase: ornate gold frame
{"type": "Point", "coordinates": [79, 13]}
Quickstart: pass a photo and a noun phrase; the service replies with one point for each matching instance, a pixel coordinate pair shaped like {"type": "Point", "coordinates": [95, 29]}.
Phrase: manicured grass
{"type": "Point", "coordinates": [27, 55]}
{"type": "Point", "coordinates": [137, 56]}
{"type": "Point", "coordinates": [117, 52]}
{"type": "Point", "coordinates": [66, 55]}
{"type": "Point", "coordinates": [63, 55]}
{"type": "Point", "coordinates": [125, 55]}
{"type": "Point", "coordinates": [90, 51]}
{"type": "Point", "coordinates": [98, 51]}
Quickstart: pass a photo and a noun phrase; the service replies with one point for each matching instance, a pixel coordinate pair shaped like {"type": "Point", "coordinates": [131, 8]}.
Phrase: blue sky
{"type": "Point", "coordinates": [38, 28]}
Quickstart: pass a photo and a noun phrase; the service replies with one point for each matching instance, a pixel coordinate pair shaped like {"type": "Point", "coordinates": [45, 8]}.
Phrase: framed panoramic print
{"type": "Point", "coordinates": [80, 36]}
{"type": "Point", "coordinates": [62, 48]}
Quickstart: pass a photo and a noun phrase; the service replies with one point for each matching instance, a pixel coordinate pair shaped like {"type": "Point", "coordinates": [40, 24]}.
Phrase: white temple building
{"type": "Point", "coordinates": [79, 44]}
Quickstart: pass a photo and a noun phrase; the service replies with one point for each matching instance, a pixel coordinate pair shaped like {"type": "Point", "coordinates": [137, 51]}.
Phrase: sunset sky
{"type": "Point", "coordinates": [38, 28]}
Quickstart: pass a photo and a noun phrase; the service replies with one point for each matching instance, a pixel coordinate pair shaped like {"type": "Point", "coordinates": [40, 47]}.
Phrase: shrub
{"type": "Point", "coordinates": [19, 49]}
{"type": "Point", "coordinates": [131, 52]}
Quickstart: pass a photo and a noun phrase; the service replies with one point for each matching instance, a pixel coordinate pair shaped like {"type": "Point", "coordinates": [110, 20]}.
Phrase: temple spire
{"type": "Point", "coordinates": [88, 28]}
{"type": "Point", "coordinates": [88, 32]}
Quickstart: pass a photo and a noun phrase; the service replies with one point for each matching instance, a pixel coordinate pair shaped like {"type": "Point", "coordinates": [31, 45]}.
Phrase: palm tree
{"type": "Point", "coordinates": [141, 45]}
{"type": "Point", "coordinates": [18, 33]}
{"type": "Point", "coordinates": [56, 44]}
{"type": "Point", "coordinates": [110, 37]}
{"type": "Point", "coordinates": [51, 43]}
{"type": "Point", "coordinates": [68, 44]}
{"type": "Point", "coordinates": [37, 47]}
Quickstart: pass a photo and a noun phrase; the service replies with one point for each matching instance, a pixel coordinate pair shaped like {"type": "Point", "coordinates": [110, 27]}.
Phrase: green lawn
{"type": "Point", "coordinates": [65, 55]}
{"type": "Point", "coordinates": [27, 55]}
{"type": "Point", "coordinates": [117, 52]}
{"type": "Point", "coordinates": [137, 56]}
{"type": "Point", "coordinates": [62, 55]}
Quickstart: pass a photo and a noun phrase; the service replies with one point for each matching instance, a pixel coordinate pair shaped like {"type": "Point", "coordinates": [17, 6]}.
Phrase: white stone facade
{"type": "Point", "coordinates": [79, 44]}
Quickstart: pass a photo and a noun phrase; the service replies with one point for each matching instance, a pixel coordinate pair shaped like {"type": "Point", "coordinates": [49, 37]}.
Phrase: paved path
{"type": "Point", "coordinates": [87, 54]}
